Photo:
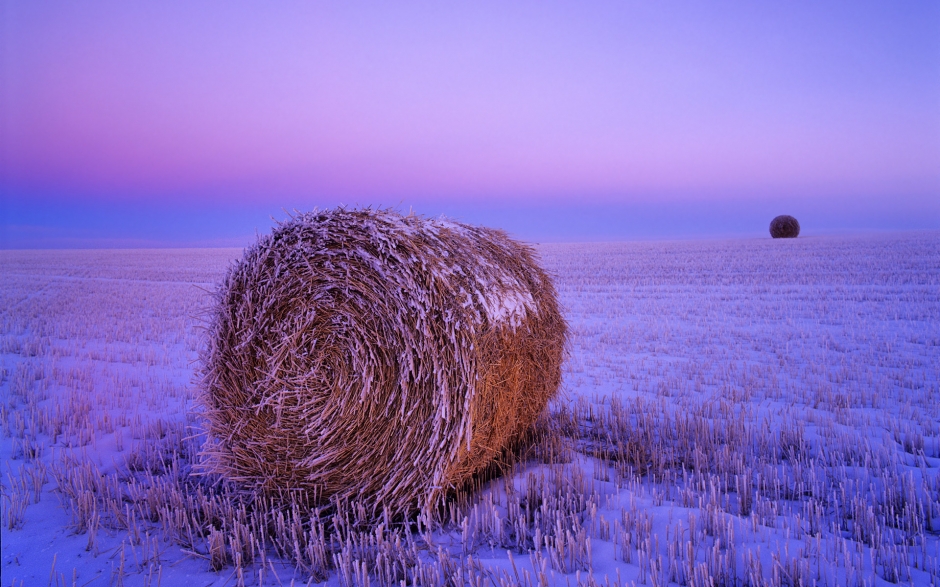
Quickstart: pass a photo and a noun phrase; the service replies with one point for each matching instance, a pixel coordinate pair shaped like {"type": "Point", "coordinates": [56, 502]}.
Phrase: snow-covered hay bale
{"type": "Point", "coordinates": [365, 355]}
{"type": "Point", "coordinates": [784, 226]}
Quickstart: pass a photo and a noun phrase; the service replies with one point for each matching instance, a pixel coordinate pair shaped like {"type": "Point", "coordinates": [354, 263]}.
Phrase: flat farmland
{"type": "Point", "coordinates": [733, 412]}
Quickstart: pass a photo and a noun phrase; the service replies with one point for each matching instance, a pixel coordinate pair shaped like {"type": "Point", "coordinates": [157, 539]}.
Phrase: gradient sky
{"type": "Point", "coordinates": [194, 123]}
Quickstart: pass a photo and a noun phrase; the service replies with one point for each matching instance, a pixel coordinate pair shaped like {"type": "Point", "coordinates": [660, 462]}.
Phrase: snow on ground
{"type": "Point", "coordinates": [740, 412]}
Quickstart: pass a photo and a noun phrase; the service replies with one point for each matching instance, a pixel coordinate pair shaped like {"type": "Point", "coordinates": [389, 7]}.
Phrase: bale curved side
{"type": "Point", "coordinates": [784, 226]}
{"type": "Point", "coordinates": [514, 384]}
{"type": "Point", "coordinates": [364, 355]}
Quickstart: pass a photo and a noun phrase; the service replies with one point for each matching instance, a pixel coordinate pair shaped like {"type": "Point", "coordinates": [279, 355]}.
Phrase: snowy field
{"type": "Point", "coordinates": [740, 412]}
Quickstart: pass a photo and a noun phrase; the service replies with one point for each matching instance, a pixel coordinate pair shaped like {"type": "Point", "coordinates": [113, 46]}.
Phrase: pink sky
{"type": "Point", "coordinates": [616, 103]}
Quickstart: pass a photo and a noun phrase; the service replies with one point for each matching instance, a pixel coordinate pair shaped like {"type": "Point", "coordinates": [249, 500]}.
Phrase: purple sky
{"type": "Point", "coordinates": [182, 123]}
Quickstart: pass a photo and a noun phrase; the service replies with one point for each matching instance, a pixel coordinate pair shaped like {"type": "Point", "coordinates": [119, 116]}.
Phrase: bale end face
{"type": "Point", "coordinates": [784, 226]}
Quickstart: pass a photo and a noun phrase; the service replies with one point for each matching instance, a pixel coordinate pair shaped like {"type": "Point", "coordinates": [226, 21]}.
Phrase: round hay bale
{"type": "Point", "coordinates": [784, 226]}
{"type": "Point", "coordinates": [364, 355]}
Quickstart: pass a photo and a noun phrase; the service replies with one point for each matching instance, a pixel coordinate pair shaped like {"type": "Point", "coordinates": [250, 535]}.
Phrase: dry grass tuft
{"type": "Point", "coordinates": [362, 355]}
{"type": "Point", "coordinates": [784, 226]}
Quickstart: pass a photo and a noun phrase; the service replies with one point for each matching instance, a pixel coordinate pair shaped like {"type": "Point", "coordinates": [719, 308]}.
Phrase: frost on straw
{"type": "Point", "coordinates": [369, 356]}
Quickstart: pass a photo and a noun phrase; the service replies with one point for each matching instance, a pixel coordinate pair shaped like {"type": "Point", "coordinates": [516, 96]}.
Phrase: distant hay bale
{"type": "Point", "coordinates": [784, 226]}
{"type": "Point", "coordinates": [365, 355]}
